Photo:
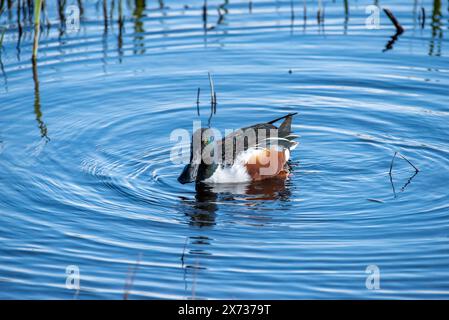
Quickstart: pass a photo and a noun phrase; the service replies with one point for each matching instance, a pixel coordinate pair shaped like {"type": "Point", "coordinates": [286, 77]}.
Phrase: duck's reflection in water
{"type": "Point", "coordinates": [191, 262]}
{"type": "Point", "coordinates": [202, 210]}
{"type": "Point", "coordinates": [202, 213]}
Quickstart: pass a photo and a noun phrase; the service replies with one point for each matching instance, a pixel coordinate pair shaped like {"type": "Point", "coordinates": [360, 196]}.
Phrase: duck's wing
{"type": "Point", "coordinates": [244, 139]}
{"type": "Point", "coordinates": [259, 136]}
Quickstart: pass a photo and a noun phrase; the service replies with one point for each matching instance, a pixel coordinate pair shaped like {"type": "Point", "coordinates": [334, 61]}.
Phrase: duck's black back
{"type": "Point", "coordinates": [249, 137]}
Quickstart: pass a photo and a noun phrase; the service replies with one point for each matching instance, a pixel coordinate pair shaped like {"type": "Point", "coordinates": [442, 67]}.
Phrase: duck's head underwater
{"type": "Point", "coordinates": [252, 153]}
{"type": "Point", "coordinates": [198, 169]}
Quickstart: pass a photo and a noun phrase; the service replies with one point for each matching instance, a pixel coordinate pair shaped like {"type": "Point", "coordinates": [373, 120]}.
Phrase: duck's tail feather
{"type": "Point", "coordinates": [286, 127]}
{"type": "Point", "coordinates": [283, 117]}
{"type": "Point", "coordinates": [284, 138]}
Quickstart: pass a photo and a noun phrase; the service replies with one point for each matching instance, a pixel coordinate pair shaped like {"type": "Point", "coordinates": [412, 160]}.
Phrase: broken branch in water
{"type": "Point", "coordinates": [423, 17]}
{"type": "Point", "coordinates": [416, 169]}
{"type": "Point", "coordinates": [213, 94]}
{"type": "Point", "coordinates": [391, 172]}
{"type": "Point", "coordinates": [409, 181]}
{"type": "Point", "coordinates": [292, 12]}
{"type": "Point", "coordinates": [392, 162]}
{"type": "Point", "coordinates": [408, 161]}
{"type": "Point", "coordinates": [399, 28]}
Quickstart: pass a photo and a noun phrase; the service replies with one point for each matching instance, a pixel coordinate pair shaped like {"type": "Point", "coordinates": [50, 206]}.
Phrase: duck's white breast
{"type": "Point", "coordinates": [233, 174]}
{"type": "Point", "coordinates": [236, 173]}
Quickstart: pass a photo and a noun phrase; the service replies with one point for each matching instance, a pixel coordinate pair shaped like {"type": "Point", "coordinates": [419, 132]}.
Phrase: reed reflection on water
{"type": "Point", "coordinates": [18, 18]}
{"type": "Point", "coordinates": [21, 12]}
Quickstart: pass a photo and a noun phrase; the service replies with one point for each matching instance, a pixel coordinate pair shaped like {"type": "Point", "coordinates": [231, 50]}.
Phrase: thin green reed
{"type": "Point", "coordinates": [2, 30]}
{"type": "Point", "coordinates": [37, 23]}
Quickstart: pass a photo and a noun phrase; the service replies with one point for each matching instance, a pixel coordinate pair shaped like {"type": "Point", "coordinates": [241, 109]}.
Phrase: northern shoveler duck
{"type": "Point", "coordinates": [252, 153]}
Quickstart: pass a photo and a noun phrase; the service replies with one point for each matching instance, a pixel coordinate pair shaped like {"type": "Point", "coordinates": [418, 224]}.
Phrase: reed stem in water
{"type": "Point", "coordinates": [37, 23]}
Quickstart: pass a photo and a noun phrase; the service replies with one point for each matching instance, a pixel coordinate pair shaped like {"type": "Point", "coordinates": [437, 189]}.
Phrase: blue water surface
{"type": "Point", "coordinates": [86, 178]}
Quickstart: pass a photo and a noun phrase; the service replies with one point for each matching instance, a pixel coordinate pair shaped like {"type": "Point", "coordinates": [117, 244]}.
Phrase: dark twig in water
{"type": "Point", "coordinates": [399, 28]}
{"type": "Point", "coordinates": [213, 95]}
{"type": "Point", "coordinates": [198, 101]}
{"type": "Point", "coordinates": [423, 17]}
{"type": "Point", "coordinates": [120, 22]}
{"type": "Point", "coordinates": [390, 173]}
{"type": "Point", "coordinates": [130, 278]}
{"type": "Point", "coordinates": [19, 29]}
{"type": "Point", "coordinates": [320, 13]}
{"type": "Point", "coordinates": [212, 89]}
{"type": "Point", "coordinates": [183, 252]}
{"type": "Point", "coordinates": [409, 181]}
{"type": "Point", "coordinates": [213, 99]}
{"type": "Point", "coordinates": [392, 162]}
{"type": "Point", "coordinates": [205, 15]}
{"type": "Point", "coordinates": [346, 4]}
{"type": "Point", "coordinates": [416, 169]}
{"type": "Point", "coordinates": [391, 42]}
{"type": "Point", "coordinates": [392, 186]}
{"type": "Point", "coordinates": [210, 116]}
{"type": "Point", "coordinates": [292, 13]}
{"type": "Point", "coordinates": [375, 200]}
{"type": "Point", "coordinates": [222, 11]}
{"type": "Point", "coordinates": [105, 15]}
{"type": "Point", "coordinates": [304, 14]}
{"type": "Point", "coordinates": [62, 18]}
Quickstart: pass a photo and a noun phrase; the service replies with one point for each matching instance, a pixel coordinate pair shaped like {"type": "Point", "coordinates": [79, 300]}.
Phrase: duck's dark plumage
{"type": "Point", "coordinates": [283, 132]}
